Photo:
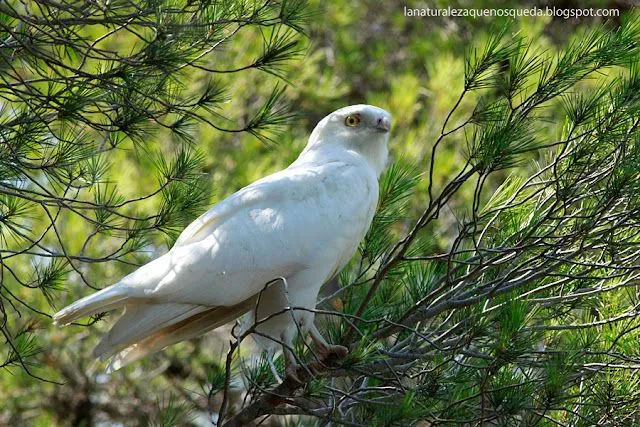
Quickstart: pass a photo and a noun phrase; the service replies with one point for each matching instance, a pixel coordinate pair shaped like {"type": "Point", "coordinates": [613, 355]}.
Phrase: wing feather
{"type": "Point", "coordinates": [140, 321]}
{"type": "Point", "coordinates": [205, 223]}
{"type": "Point", "coordinates": [188, 328]}
{"type": "Point", "coordinates": [294, 220]}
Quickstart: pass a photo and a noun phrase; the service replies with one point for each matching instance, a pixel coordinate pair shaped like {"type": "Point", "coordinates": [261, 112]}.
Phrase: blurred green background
{"type": "Point", "coordinates": [356, 52]}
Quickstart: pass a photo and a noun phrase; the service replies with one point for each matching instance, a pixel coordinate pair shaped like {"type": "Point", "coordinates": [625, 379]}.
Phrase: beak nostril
{"type": "Point", "coordinates": [383, 124]}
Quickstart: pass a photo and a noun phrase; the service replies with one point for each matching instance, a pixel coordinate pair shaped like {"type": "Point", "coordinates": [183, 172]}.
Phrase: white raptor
{"type": "Point", "coordinates": [296, 228]}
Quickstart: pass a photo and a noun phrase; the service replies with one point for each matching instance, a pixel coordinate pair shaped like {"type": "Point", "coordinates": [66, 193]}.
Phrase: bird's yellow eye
{"type": "Point", "coordinates": [352, 120]}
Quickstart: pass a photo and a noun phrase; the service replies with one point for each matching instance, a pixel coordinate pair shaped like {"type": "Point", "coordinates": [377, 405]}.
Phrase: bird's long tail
{"type": "Point", "coordinates": [107, 299]}
{"type": "Point", "coordinates": [132, 287]}
{"type": "Point", "coordinates": [147, 325]}
{"type": "Point", "coordinates": [124, 351]}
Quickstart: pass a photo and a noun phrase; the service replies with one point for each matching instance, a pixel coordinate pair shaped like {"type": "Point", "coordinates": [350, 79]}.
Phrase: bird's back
{"type": "Point", "coordinates": [293, 220]}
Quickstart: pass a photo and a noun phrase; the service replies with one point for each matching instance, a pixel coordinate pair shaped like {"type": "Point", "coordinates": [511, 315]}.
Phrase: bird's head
{"type": "Point", "coordinates": [360, 128]}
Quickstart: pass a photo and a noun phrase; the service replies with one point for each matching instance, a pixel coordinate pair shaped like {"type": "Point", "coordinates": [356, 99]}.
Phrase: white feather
{"type": "Point", "coordinates": [303, 224]}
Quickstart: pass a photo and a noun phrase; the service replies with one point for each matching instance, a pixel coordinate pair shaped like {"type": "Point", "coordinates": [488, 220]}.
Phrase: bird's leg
{"type": "Point", "coordinates": [290, 363]}
{"type": "Point", "coordinates": [274, 371]}
{"type": "Point", "coordinates": [325, 349]}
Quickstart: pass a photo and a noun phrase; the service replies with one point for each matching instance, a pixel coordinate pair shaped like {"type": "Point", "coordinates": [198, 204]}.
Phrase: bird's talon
{"type": "Point", "coordinates": [291, 373]}
{"type": "Point", "coordinates": [315, 368]}
{"type": "Point", "coordinates": [334, 351]}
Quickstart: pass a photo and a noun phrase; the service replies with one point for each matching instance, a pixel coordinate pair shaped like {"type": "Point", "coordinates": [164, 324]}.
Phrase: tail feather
{"type": "Point", "coordinates": [188, 328]}
{"type": "Point", "coordinates": [136, 285]}
{"type": "Point", "coordinates": [147, 325]}
{"type": "Point", "coordinates": [140, 321]}
{"type": "Point", "coordinates": [107, 299]}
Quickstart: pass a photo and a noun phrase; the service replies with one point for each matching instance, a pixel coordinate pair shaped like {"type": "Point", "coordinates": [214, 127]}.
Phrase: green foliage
{"type": "Point", "coordinates": [21, 347]}
{"type": "Point", "coordinates": [396, 185]}
{"type": "Point", "coordinates": [500, 274]}
{"type": "Point", "coordinates": [480, 67]}
{"type": "Point", "coordinates": [517, 318]}
{"type": "Point", "coordinates": [171, 413]}
{"type": "Point", "coordinates": [101, 161]}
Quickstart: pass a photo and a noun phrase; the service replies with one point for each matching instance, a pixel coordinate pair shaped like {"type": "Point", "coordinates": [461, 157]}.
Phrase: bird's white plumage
{"type": "Point", "coordinates": [302, 224]}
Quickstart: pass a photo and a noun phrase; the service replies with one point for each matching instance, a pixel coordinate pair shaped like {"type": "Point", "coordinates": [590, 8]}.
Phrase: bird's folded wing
{"type": "Point", "coordinates": [202, 226]}
{"type": "Point", "coordinates": [276, 227]}
{"type": "Point", "coordinates": [270, 188]}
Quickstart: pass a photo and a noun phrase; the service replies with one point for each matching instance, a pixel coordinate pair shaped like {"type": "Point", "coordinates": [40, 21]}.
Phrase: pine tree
{"type": "Point", "coordinates": [530, 317]}
{"type": "Point", "coordinates": [87, 85]}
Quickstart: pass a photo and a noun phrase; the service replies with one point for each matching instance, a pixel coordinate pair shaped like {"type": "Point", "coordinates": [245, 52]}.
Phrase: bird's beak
{"type": "Point", "coordinates": [384, 124]}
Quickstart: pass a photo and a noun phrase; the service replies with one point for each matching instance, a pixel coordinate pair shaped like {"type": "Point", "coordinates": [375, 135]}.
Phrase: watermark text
{"type": "Point", "coordinates": [511, 12]}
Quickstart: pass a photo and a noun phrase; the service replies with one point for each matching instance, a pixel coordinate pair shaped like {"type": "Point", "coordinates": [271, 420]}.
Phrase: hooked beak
{"type": "Point", "coordinates": [383, 125]}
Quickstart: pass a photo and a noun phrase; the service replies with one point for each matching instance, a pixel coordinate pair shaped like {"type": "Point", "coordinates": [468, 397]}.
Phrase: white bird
{"type": "Point", "coordinates": [295, 229]}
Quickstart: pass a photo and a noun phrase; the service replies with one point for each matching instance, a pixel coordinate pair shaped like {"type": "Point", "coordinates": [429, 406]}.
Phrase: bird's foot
{"type": "Point", "coordinates": [291, 373]}
{"type": "Point", "coordinates": [312, 368]}
{"type": "Point", "coordinates": [332, 352]}
{"type": "Point", "coordinates": [327, 352]}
